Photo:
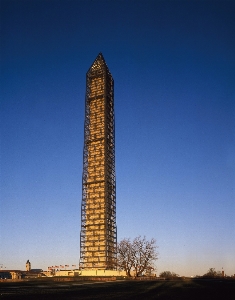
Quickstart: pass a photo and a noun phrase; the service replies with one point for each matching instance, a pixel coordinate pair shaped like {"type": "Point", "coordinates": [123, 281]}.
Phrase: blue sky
{"type": "Point", "coordinates": [173, 65]}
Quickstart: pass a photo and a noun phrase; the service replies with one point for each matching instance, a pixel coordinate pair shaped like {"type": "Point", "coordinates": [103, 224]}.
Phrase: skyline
{"type": "Point", "coordinates": [173, 65]}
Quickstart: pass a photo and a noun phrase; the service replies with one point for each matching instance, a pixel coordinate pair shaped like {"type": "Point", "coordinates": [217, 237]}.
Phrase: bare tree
{"type": "Point", "coordinates": [138, 256]}
{"type": "Point", "coordinates": [212, 273]}
{"type": "Point", "coordinates": [124, 256]}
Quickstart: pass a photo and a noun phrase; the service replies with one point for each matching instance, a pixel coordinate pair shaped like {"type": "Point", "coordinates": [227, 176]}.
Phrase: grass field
{"type": "Point", "coordinates": [181, 289]}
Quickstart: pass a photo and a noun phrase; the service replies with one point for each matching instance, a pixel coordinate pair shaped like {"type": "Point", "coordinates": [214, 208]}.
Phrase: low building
{"type": "Point", "coordinates": [11, 274]}
{"type": "Point", "coordinates": [16, 275]}
{"type": "Point", "coordinates": [99, 273]}
{"type": "Point", "coordinates": [5, 275]}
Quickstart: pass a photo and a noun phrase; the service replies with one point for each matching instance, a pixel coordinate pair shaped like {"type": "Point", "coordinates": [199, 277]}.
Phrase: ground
{"type": "Point", "coordinates": [162, 290]}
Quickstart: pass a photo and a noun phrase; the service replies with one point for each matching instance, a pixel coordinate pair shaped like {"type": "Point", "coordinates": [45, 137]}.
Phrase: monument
{"type": "Point", "coordinates": [98, 236]}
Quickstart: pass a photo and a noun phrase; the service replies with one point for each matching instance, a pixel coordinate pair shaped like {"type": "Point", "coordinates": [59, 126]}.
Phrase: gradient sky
{"type": "Point", "coordinates": [173, 64]}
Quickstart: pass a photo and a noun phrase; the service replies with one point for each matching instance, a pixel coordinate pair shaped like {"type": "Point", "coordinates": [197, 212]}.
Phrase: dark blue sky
{"type": "Point", "coordinates": [173, 64]}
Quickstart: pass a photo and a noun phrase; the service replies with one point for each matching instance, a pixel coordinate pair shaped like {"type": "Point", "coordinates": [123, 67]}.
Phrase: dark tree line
{"type": "Point", "coordinates": [168, 275]}
{"type": "Point", "coordinates": [212, 273]}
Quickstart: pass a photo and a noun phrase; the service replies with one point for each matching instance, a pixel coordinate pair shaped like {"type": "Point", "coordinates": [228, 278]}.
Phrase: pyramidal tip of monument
{"type": "Point", "coordinates": [100, 57]}
{"type": "Point", "coordinates": [98, 63]}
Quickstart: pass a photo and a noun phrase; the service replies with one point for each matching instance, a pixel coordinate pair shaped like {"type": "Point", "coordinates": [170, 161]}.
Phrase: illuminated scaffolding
{"type": "Point", "coordinates": [98, 237]}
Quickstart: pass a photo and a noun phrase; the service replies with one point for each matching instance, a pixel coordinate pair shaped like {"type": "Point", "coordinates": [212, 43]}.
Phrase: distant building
{"type": "Point", "coordinates": [98, 238]}
{"type": "Point", "coordinates": [33, 273]}
{"type": "Point", "coordinates": [16, 274]}
{"type": "Point", "coordinates": [11, 274]}
{"type": "Point", "coordinates": [95, 272]}
{"type": "Point", "coordinates": [5, 275]}
{"type": "Point", "coordinates": [28, 265]}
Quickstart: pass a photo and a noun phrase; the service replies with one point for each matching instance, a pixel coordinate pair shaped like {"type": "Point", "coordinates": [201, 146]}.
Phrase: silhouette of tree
{"type": "Point", "coordinates": [212, 273]}
{"type": "Point", "coordinates": [168, 275]}
{"type": "Point", "coordinates": [138, 255]}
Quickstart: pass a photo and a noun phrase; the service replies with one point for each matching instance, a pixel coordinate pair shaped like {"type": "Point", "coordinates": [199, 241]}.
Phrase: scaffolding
{"type": "Point", "coordinates": [98, 237]}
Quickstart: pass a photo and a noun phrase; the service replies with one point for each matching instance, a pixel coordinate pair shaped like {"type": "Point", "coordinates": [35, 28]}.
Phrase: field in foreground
{"type": "Point", "coordinates": [185, 289]}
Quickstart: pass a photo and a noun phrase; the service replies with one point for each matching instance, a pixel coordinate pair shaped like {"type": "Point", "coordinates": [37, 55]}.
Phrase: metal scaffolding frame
{"type": "Point", "coordinates": [98, 237]}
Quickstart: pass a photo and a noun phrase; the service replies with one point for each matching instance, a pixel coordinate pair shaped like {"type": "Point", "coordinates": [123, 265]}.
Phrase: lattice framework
{"type": "Point", "coordinates": [98, 238]}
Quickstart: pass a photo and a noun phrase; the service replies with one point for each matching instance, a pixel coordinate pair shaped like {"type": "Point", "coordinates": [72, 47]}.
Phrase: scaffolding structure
{"type": "Point", "coordinates": [98, 237]}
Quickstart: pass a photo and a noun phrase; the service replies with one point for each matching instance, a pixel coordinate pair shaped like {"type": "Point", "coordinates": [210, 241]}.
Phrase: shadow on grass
{"type": "Point", "coordinates": [162, 290]}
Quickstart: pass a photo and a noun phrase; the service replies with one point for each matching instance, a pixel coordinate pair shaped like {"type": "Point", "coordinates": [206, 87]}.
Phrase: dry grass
{"type": "Point", "coordinates": [162, 290]}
